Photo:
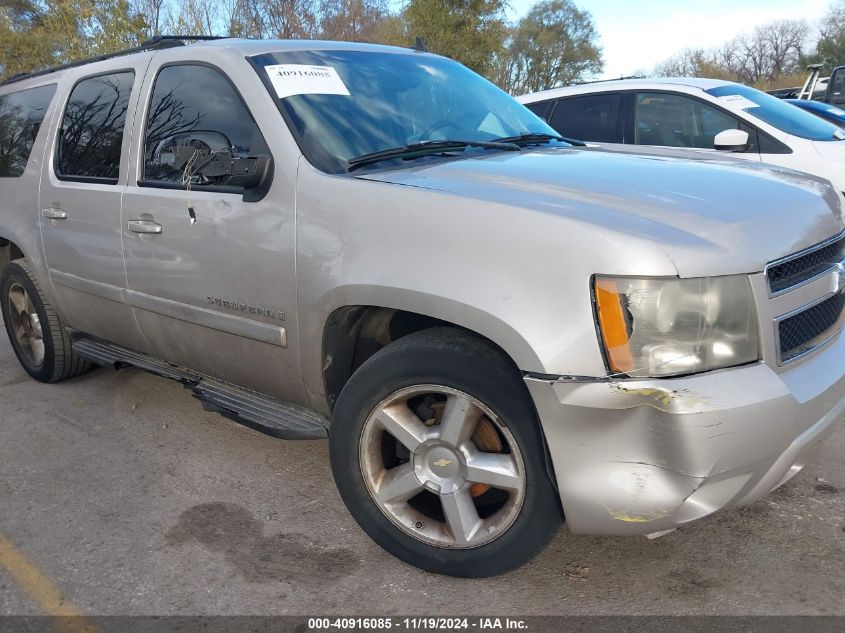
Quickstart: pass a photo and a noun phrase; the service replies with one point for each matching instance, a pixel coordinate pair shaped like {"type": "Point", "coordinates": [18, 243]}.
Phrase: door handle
{"type": "Point", "coordinates": [54, 214]}
{"type": "Point", "coordinates": [144, 227]}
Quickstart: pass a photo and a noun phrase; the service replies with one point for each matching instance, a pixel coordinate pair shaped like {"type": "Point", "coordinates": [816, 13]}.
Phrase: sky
{"type": "Point", "coordinates": [636, 35]}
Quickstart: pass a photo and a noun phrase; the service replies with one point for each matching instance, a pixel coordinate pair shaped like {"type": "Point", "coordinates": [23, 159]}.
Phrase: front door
{"type": "Point", "coordinates": [80, 203]}
{"type": "Point", "coordinates": [209, 262]}
{"type": "Point", "coordinates": [675, 120]}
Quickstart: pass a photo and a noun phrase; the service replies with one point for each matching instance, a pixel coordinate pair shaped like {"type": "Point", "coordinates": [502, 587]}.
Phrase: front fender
{"type": "Point", "coordinates": [458, 313]}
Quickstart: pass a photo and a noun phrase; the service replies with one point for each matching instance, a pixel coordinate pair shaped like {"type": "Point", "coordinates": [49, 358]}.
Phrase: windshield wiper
{"type": "Point", "coordinates": [538, 138]}
{"type": "Point", "coordinates": [424, 148]}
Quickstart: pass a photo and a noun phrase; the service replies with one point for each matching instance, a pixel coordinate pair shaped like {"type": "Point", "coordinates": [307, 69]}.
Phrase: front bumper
{"type": "Point", "coordinates": [644, 456]}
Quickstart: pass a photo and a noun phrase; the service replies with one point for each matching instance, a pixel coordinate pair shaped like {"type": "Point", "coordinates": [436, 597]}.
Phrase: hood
{"type": "Point", "coordinates": [709, 214]}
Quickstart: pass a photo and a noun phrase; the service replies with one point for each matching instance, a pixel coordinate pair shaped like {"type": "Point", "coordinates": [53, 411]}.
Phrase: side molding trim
{"type": "Point", "coordinates": [240, 326]}
{"type": "Point", "coordinates": [231, 324]}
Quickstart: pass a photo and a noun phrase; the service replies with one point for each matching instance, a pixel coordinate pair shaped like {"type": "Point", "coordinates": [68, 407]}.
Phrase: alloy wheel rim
{"type": "Point", "coordinates": [453, 479]}
{"type": "Point", "coordinates": [26, 325]}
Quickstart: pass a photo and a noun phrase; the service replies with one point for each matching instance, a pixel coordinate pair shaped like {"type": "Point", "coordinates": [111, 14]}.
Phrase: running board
{"type": "Point", "coordinates": [268, 415]}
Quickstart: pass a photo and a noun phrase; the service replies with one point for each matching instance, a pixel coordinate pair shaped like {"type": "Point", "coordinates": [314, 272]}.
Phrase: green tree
{"type": "Point", "coordinates": [470, 31]}
{"type": "Point", "coordinates": [39, 33]}
{"type": "Point", "coordinates": [555, 44]}
{"type": "Point", "coordinates": [831, 46]}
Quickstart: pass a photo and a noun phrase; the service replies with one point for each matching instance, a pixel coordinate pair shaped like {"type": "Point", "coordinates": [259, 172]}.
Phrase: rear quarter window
{"type": "Point", "coordinates": [21, 116]}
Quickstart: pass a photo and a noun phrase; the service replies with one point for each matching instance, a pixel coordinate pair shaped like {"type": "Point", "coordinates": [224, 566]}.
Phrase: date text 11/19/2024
{"type": "Point", "coordinates": [417, 624]}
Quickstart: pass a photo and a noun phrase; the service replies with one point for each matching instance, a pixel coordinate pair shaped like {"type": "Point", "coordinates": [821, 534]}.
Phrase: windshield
{"type": "Point", "coordinates": [824, 110]}
{"type": "Point", "coordinates": [776, 112]}
{"type": "Point", "coordinates": [343, 104]}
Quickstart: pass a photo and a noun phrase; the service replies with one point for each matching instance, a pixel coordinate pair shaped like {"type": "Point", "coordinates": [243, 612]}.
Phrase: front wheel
{"type": "Point", "coordinates": [437, 453]}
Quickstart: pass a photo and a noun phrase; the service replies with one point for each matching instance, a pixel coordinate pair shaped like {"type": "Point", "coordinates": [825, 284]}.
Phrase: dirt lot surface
{"type": "Point", "coordinates": [121, 492]}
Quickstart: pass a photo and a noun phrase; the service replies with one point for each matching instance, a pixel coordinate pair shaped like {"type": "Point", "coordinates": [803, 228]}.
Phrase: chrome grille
{"type": "Point", "coordinates": [806, 330]}
{"type": "Point", "coordinates": [801, 267]}
{"type": "Point", "coordinates": [807, 298]}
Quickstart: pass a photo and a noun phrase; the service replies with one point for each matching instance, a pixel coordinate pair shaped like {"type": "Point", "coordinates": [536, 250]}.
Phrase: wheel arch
{"type": "Point", "coordinates": [9, 251]}
{"type": "Point", "coordinates": [353, 331]}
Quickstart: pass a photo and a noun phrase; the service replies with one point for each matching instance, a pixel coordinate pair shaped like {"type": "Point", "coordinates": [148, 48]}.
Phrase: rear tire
{"type": "Point", "coordinates": [437, 452]}
{"type": "Point", "coordinates": [38, 338]}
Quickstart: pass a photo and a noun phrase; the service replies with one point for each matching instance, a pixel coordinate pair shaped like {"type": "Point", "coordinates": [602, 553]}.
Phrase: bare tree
{"type": "Point", "coordinates": [831, 46]}
{"type": "Point", "coordinates": [770, 53]}
{"type": "Point", "coordinates": [155, 15]}
{"type": "Point", "coordinates": [195, 17]}
{"type": "Point", "coordinates": [352, 20]}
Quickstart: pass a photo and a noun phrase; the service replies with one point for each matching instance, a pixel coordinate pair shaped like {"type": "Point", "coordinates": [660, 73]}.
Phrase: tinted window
{"type": "Point", "coordinates": [92, 129]}
{"type": "Point", "coordinates": [196, 108]}
{"type": "Point", "coordinates": [836, 88]}
{"type": "Point", "coordinates": [366, 101]}
{"type": "Point", "coordinates": [540, 108]}
{"type": "Point", "coordinates": [589, 118]}
{"type": "Point", "coordinates": [21, 114]}
{"type": "Point", "coordinates": [678, 121]}
{"type": "Point", "coordinates": [776, 112]}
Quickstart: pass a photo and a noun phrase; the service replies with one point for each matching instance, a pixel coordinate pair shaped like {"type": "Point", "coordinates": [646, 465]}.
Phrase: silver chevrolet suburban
{"type": "Point", "coordinates": [495, 327]}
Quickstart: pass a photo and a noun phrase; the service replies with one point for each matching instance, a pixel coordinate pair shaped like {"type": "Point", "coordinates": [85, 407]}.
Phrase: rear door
{"type": "Point", "coordinates": [210, 264]}
{"type": "Point", "coordinates": [83, 179]}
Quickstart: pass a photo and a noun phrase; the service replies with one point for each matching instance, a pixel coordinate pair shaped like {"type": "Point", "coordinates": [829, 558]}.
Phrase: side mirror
{"type": "Point", "coordinates": [209, 158]}
{"type": "Point", "coordinates": [731, 141]}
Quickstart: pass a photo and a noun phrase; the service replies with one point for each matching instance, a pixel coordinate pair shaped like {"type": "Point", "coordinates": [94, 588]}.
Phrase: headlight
{"type": "Point", "coordinates": [671, 326]}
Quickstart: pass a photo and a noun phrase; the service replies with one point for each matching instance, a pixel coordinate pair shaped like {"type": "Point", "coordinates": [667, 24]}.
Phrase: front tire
{"type": "Point", "coordinates": [437, 452]}
{"type": "Point", "coordinates": [35, 330]}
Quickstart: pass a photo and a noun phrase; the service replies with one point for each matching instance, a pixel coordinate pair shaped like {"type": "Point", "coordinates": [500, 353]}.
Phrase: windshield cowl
{"type": "Point", "coordinates": [425, 148]}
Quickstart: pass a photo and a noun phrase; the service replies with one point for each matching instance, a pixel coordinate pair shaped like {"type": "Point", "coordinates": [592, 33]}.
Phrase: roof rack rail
{"type": "Point", "coordinates": [620, 78]}
{"type": "Point", "coordinates": [154, 43]}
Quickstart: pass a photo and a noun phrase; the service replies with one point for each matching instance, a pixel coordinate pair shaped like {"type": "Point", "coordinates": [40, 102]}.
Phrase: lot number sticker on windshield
{"type": "Point", "coordinates": [738, 101]}
{"type": "Point", "coordinates": [300, 79]}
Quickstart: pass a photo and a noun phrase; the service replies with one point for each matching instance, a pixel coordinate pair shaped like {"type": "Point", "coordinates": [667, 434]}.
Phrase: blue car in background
{"type": "Point", "coordinates": [824, 110]}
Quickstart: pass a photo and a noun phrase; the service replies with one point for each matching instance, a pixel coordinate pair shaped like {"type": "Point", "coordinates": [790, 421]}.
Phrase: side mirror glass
{"type": "Point", "coordinates": [731, 141]}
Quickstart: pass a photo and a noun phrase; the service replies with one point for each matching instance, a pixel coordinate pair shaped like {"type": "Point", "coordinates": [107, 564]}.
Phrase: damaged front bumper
{"type": "Point", "coordinates": [644, 456]}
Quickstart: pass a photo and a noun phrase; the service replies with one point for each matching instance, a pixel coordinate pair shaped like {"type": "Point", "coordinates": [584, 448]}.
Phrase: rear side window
{"type": "Point", "coordinates": [540, 108]}
{"type": "Point", "coordinates": [21, 115]}
{"type": "Point", "coordinates": [836, 86]}
{"type": "Point", "coordinates": [195, 113]}
{"type": "Point", "coordinates": [589, 118]}
{"type": "Point", "coordinates": [92, 130]}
